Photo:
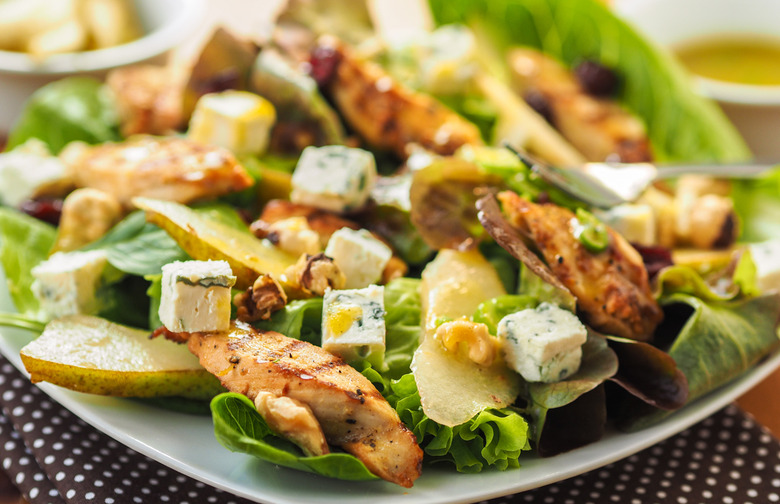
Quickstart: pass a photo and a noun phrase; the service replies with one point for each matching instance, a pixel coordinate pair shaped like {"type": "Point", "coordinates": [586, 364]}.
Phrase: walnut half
{"type": "Point", "coordinates": [314, 274]}
{"type": "Point", "coordinates": [260, 300]}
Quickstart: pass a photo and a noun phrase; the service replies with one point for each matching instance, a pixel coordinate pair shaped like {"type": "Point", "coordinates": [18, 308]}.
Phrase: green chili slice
{"type": "Point", "coordinates": [591, 232]}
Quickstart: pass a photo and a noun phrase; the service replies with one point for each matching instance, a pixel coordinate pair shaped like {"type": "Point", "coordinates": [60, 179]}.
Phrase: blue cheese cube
{"type": "Point", "coordinates": [543, 344]}
{"type": "Point", "coordinates": [27, 169]}
{"type": "Point", "coordinates": [450, 61]}
{"type": "Point", "coordinates": [196, 296]}
{"type": "Point", "coordinates": [353, 324]}
{"type": "Point", "coordinates": [334, 178]}
{"type": "Point", "coordinates": [635, 222]}
{"type": "Point", "coordinates": [766, 256]}
{"type": "Point", "coordinates": [236, 120]}
{"type": "Point", "coordinates": [67, 283]}
{"type": "Point", "coordinates": [359, 255]}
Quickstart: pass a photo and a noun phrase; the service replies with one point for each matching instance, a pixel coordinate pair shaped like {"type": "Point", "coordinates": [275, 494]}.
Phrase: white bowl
{"type": "Point", "coordinates": [166, 24]}
{"type": "Point", "coordinates": [754, 110]}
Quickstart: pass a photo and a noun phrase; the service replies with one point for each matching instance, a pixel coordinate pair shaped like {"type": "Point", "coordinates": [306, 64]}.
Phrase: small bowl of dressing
{"type": "Point", "coordinates": [733, 49]}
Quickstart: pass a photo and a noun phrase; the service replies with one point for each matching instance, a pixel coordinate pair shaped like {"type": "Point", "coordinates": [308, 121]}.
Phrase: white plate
{"type": "Point", "coordinates": [186, 443]}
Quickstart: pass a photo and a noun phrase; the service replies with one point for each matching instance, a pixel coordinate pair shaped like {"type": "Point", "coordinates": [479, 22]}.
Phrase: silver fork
{"type": "Point", "coordinates": [605, 185]}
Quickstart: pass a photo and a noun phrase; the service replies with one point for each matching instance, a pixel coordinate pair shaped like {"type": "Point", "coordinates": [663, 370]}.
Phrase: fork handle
{"type": "Point", "coordinates": [728, 170]}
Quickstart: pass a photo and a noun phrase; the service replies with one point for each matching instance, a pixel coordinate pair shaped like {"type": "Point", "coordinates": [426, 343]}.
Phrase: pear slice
{"type": "Point", "coordinates": [203, 239]}
{"type": "Point", "coordinates": [90, 354]}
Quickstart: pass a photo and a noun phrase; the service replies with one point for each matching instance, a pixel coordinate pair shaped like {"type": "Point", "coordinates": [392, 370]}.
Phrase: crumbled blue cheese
{"type": "Point", "coordinates": [236, 120]}
{"type": "Point", "coordinates": [27, 168]}
{"type": "Point", "coordinates": [766, 256]}
{"type": "Point", "coordinates": [543, 344]}
{"type": "Point", "coordinates": [353, 324]}
{"type": "Point", "coordinates": [451, 60]}
{"type": "Point", "coordinates": [359, 255]}
{"type": "Point", "coordinates": [196, 296]}
{"type": "Point", "coordinates": [67, 283]}
{"type": "Point", "coordinates": [635, 222]}
{"type": "Point", "coordinates": [334, 178]}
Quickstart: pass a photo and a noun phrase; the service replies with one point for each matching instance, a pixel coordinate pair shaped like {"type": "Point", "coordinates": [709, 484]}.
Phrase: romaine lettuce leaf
{"type": "Point", "coordinates": [240, 428]}
{"type": "Point", "coordinates": [681, 124]}
{"type": "Point", "coordinates": [493, 438]}
{"type": "Point", "coordinates": [24, 242]}
{"type": "Point", "coordinates": [74, 108]}
{"type": "Point", "coordinates": [757, 202]}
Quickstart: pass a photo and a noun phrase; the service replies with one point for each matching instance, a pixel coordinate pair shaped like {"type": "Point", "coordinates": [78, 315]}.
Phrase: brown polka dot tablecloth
{"type": "Point", "coordinates": [54, 457]}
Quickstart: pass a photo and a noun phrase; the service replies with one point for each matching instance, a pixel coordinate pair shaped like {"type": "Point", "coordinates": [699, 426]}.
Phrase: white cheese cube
{"type": "Point", "coordinates": [25, 170]}
{"type": "Point", "coordinates": [359, 255]}
{"type": "Point", "coordinates": [236, 120]}
{"type": "Point", "coordinates": [334, 178]}
{"type": "Point", "coordinates": [353, 324]}
{"type": "Point", "coordinates": [543, 344]}
{"type": "Point", "coordinates": [635, 222]}
{"type": "Point", "coordinates": [67, 282]}
{"type": "Point", "coordinates": [766, 256]}
{"type": "Point", "coordinates": [451, 60]}
{"type": "Point", "coordinates": [196, 296]}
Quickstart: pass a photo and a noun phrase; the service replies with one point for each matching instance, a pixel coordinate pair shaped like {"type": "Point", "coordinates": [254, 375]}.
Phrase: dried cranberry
{"type": "Point", "coordinates": [229, 78]}
{"type": "Point", "coordinates": [47, 210]}
{"type": "Point", "coordinates": [541, 106]}
{"type": "Point", "coordinates": [655, 258]}
{"type": "Point", "coordinates": [324, 60]}
{"type": "Point", "coordinates": [596, 79]}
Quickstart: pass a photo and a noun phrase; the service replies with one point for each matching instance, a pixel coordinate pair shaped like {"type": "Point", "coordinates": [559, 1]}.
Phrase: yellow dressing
{"type": "Point", "coordinates": [741, 59]}
{"type": "Point", "coordinates": [341, 318]}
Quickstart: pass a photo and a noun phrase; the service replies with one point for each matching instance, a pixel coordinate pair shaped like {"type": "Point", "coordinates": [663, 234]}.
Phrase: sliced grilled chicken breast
{"type": "Point", "coordinates": [352, 412]}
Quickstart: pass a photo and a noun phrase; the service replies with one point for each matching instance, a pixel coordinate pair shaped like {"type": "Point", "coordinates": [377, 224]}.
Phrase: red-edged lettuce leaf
{"type": "Point", "coordinates": [719, 341]}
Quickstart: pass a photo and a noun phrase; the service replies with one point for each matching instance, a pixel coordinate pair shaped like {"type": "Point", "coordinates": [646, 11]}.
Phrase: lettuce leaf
{"type": "Point", "coordinates": [757, 202]}
{"type": "Point", "coordinates": [493, 438]}
{"type": "Point", "coordinates": [719, 341]}
{"type": "Point", "coordinates": [681, 124]}
{"type": "Point", "coordinates": [74, 108]}
{"type": "Point", "coordinates": [24, 242]}
{"type": "Point", "coordinates": [240, 428]}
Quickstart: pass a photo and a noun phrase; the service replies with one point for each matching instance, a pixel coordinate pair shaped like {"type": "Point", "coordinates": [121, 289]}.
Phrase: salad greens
{"type": "Point", "coordinates": [24, 242]}
{"type": "Point", "coordinates": [239, 427]}
{"type": "Point", "coordinates": [681, 124]}
{"type": "Point", "coordinates": [77, 108]}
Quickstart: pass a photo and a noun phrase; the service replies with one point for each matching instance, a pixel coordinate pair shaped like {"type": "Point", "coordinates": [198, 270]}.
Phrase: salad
{"type": "Point", "coordinates": [332, 250]}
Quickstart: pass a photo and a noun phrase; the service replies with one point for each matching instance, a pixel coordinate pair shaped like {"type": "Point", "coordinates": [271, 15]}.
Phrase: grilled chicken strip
{"type": "Point", "coordinates": [148, 99]}
{"type": "Point", "coordinates": [352, 413]}
{"type": "Point", "coordinates": [172, 169]}
{"type": "Point", "coordinates": [598, 127]}
{"type": "Point", "coordinates": [382, 111]}
{"type": "Point", "coordinates": [612, 290]}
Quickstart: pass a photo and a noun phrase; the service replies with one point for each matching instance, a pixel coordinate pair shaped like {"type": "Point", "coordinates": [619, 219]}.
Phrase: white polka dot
{"type": "Point", "coordinates": [34, 492]}
{"type": "Point", "coordinates": [98, 483]}
{"type": "Point", "coordinates": [78, 478]}
{"type": "Point", "coordinates": [89, 495]}
{"type": "Point", "coordinates": [70, 493]}
{"type": "Point", "coordinates": [59, 476]}
{"type": "Point", "coordinates": [19, 478]}
{"type": "Point", "coordinates": [773, 497]}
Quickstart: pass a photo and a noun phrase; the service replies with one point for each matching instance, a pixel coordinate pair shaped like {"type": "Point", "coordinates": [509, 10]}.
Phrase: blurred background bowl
{"type": "Point", "coordinates": [754, 109]}
{"type": "Point", "coordinates": [165, 24]}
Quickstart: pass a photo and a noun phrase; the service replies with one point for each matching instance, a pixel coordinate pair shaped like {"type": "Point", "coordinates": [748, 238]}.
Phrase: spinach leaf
{"type": "Point", "coordinates": [138, 248]}
{"type": "Point", "coordinates": [240, 428]}
{"type": "Point", "coordinates": [74, 108]}
{"type": "Point", "coordinates": [24, 242]}
{"type": "Point", "coordinates": [681, 124]}
{"type": "Point", "coordinates": [492, 438]}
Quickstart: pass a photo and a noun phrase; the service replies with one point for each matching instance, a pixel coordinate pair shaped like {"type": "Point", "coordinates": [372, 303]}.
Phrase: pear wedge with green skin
{"type": "Point", "coordinates": [203, 238]}
{"type": "Point", "coordinates": [90, 354]}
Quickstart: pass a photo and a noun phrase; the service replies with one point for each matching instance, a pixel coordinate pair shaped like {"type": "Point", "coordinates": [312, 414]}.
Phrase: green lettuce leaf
{"type": "Point", "coordinates": [757, 202]}
{"type": "Point", "coordinates": [719, 341]}
{"type": "Point", "coordinates": [24, 242]}
{"type": "Point", "coordinates": [402, 321]}
{"type": "Point", "coordinates": [681, 124]}
{"type": "Point", "coordinates": [493, 438]}
{"type": "Point", "coordinates": [240, 428]}
{"type": "Point", "coordinates": [300, 319]}
{"type": "Point", "coordinates": [74, 108]}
